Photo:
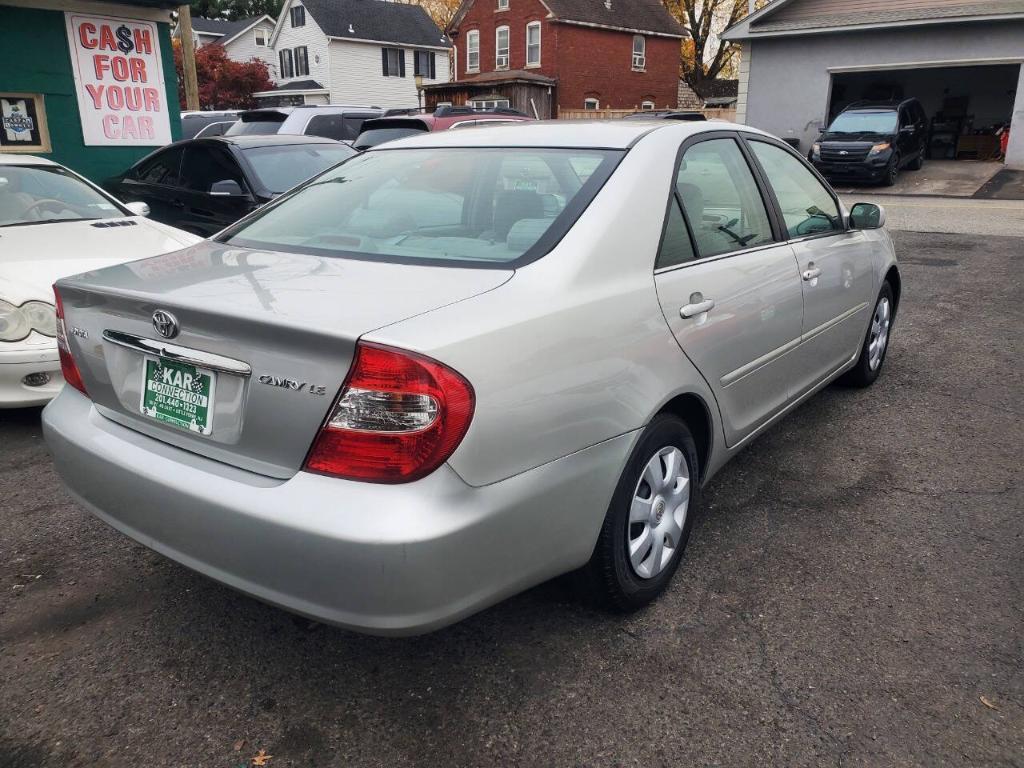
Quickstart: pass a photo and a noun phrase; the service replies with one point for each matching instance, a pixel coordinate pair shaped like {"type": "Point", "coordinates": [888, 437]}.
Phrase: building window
{"type": "Point", "coordinates": [301, 61]}
{"type": "Point", "coordinates": [639, 52]}
{"type": "Point", "coordinates": [488, 103]}
{"type": "Point", "coordinates": [591, 103]}
{"type": "Point", "coordinates": [473, 51]}
{"type": "Point", "coordinates": [393, 60]}
{"type": "Point", "coordinates": [647, 106]}
{"type": "Point", "coordinates": [423, 64]}
{"type": "Point", "coordinates": [533, 44]}
{"type": "Point", "coordinates": [297, 14]}
{"type": "Point", "coordinates": [502, 5]}
{"type": "Point", "coordinates": [286, 63]}
{"type": "Point", "coordinates": [501, 48]}
{"type": "Point", "coordinates": [261, 38]}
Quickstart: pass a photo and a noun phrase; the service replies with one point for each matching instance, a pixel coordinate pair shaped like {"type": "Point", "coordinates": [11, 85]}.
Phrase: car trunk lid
{"type": "Point", "coordinates": [277, 332]}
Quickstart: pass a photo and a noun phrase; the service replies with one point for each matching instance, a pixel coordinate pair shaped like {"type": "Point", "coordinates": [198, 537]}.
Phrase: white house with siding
{"type": "Point", "coordinates": [366, 52]}
{"type": "Point", "coordinates": [243, 40]}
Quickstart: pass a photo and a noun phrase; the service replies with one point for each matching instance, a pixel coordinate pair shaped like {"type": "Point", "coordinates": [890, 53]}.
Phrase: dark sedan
{"type": "Point", "coordinates": [203, 185]}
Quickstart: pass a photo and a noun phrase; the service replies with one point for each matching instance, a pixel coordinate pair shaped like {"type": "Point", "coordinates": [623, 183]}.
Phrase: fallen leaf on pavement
{"type": "Point", "coordinates": [261, 758]}
{"type": "Point", "coordinates": [239, 744]}
{"type": "Point", "coordinates": [988, 703]}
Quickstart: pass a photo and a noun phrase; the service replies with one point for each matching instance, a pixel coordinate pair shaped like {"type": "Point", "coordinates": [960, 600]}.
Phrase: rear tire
{"type": "Point", "coordinates": [648, 522]}
{"type": "Point", "coordinates": [918, 163]}
{"type": "Point", "coordinates": [876, 342]}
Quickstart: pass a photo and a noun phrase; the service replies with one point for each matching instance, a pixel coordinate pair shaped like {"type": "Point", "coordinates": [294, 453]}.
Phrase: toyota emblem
{"type": "Point", "coordinates": [165, 324]}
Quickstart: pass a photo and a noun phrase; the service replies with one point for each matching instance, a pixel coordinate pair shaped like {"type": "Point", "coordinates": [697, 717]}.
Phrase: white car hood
{"type": "Point", "coordinates": [34, 256]}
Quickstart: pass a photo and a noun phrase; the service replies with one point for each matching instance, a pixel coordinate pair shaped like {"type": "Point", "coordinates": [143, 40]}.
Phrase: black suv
{"type": "Point", "coordinates": [872, 141]}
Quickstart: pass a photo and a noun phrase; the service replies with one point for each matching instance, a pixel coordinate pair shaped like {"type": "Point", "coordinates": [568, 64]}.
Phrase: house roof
{"type": "Point", "coordinates": [637, 16]}
{"type": "Point", "coordinates": [221, 27]}
{"type": "Point", "coordinates": [376, 20]}
{"type": "Point", "coordinates": [788, 17]}
{"type": "Point", "coordinates": [298, 85]}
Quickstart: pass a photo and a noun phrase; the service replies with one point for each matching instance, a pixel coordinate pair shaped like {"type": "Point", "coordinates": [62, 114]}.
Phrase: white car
{"type": "Point", "coordinates": [54, 223]}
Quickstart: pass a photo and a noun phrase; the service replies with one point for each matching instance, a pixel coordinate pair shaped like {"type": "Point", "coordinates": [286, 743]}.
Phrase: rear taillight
{"type": "Point", "coordinates": [68, 367]}
{"type": "Point", "coordinates": [398, 418]}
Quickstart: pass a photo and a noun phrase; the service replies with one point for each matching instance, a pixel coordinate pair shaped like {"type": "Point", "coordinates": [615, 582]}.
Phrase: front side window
{"type": "Point", "coordinates": [163, 169]}
{"type": "Point", "coordinates": [473, 51]}
{"type": "Point", "coordinates": [301, 61]}
{"type": "Point", "coordinates": [639, 52]}
{"type": "Point", "coordinates": [298, 16]}
{"type": "Point", "coordinates": [31, 194]}
{"type": "Point", "coordinates": [807, 207]}
{"type": "Point", "coordinates": [261, 38]}
{"type": "Point", "coordinates": [287, 69]}
{"type": "Point", "coordinates": [393, 62]}
{"type": "Point", "coordinates": [721, 199]}
{"type": "Point", "coordinates": [501, 48]}
{"type": "Point", "coordinates": [204, 166]}
{"type": "Point", "coordinates": [456, 205]}
{"type": "Point", "coordinates": [533, 44]}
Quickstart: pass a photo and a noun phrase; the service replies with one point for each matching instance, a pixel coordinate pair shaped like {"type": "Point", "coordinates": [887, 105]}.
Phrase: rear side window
{"type": "Point", "coordinates": [444, 205]}
{"type": "Point", "coordinates": [807, 207]}
{"type": "Point", "coordinates": [337, 127]}
{"type": "Point", "coordinates": [163, 169]}
{"type": "Point", "coordinates": [721, 198]}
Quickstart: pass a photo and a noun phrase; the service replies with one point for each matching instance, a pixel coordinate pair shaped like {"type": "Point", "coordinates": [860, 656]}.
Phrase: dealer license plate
{"type": "Point", "coordinates": [178, 394]}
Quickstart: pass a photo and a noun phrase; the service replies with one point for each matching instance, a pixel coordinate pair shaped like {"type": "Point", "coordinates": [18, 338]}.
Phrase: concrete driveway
{"type": "Point", "coordinates": [946, 178]}
{"type": "Point", "coordinates": [853, 594]}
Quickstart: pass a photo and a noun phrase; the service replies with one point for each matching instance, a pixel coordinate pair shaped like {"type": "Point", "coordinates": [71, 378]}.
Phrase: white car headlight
{"type": "Point", "coordinates": [16, 323]}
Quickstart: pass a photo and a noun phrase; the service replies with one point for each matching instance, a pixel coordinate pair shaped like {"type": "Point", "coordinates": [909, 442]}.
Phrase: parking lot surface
{"type": "Point", "coordinates": [853, 594]}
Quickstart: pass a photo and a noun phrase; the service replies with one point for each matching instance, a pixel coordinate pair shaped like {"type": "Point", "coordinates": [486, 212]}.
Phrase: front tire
{"type": "Point", "coordinates": [891, 172]}
{"type": "Point", "coordinates": [876, 342]}
{"type": "Point", "coordinates": [648, 522]}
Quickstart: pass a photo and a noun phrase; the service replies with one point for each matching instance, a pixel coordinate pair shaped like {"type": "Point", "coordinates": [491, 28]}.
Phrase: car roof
{"type": "Point", "coordinates": [597, 134]}
{"type": "Point", "coordinates": [268, 140]}
{"type": "Point", "coordinates": [11, 158]}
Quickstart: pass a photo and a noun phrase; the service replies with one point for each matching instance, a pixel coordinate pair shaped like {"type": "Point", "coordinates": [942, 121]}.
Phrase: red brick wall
{"type": "Point", "coordinates": [485, 17]}
{"type": "Point", "coordinates": [598, 63]}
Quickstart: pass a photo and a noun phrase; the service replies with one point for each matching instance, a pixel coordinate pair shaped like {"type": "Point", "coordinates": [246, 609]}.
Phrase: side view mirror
{"type": "Point", "coordinates": [138, 208]}
{"type": "Point", "coordinates": [226, 188]}
{"type": "Point", "coordinates": [867, 216]}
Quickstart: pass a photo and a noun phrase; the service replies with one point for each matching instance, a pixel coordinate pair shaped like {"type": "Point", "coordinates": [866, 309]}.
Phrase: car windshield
{"type": "Point", "coordinates": [34, 194]}
{"type": "Point", "coordinates": [441, 205]}
{"type": "Point", "coordinates": [377, 136]}
{"type": "Point", "coordinates": [864, 122]}
{"type": "Point", "coordinates": [279, 168]}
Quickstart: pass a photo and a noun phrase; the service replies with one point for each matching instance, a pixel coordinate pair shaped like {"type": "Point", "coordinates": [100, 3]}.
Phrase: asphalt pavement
{"type": "Point", "coordinates": [853, 594]}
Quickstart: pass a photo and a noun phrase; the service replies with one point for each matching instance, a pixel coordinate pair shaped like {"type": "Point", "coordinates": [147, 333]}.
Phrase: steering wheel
{"type": "Point", "coordinates": [40, 203]}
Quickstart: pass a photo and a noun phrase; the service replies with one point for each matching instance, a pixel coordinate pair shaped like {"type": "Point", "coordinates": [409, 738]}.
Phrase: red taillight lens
{"type": "Point", "coordinates": [68, 367]}
{"type": "Point", "coordinates": [398, 418]}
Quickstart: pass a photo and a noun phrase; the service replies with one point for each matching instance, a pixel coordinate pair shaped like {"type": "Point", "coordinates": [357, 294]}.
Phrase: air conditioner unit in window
{"type": "Point", "coordinates": [502, 62]}
{"type": "Point", "coordinates": [638, 62]}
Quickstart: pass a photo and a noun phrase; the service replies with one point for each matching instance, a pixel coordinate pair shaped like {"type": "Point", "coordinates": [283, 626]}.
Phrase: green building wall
{"type": "Point", "coordinates": [34, 58]}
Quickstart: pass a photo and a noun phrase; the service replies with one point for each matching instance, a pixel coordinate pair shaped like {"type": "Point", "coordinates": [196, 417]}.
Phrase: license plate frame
{"type": "Point", "coordinates": [175, 399]}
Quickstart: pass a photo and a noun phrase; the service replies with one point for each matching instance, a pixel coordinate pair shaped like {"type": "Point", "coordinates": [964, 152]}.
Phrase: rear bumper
{"type": "Point", "coordinates": [15, 365]}
{"type": "Point", "coordinates": [384, 559]}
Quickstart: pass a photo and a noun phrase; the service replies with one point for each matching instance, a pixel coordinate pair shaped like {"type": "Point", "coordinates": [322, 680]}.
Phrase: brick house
{"type": "Point", "coordinates": [543, 56]}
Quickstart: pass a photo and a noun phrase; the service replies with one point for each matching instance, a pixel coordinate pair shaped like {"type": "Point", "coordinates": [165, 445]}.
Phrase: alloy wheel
{"type": "Point", "coordinates": [879, 336]}
{"type": "Point", "coordinates": [657, 514]}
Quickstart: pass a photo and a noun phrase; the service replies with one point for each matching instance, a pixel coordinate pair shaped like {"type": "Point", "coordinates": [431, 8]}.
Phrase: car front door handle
{"type": "Point", "coordinates": [811, 273]}
{"type": "Point", "coordinates": [696, 308]}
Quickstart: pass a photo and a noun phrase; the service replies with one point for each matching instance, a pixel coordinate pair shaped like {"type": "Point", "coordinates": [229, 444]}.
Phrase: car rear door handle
{"type": "Point", "coordinates": [697, 308]}
{"type": "Point", "coordinates": [811, 273]}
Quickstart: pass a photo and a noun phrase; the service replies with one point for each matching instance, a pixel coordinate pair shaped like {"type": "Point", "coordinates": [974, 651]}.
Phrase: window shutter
{"type": "Point", "coordinates": [401, 62]}
{"type": "Point", "coordinates": [384, 60]}
{"type": "Point", "coordinates": [280, 56]}
{"type": "Point", "coordinates": [433, 72]}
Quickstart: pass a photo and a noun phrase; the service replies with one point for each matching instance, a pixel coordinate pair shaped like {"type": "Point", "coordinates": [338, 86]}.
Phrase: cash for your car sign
{"type": "Point", "coordinates": [119, 81]}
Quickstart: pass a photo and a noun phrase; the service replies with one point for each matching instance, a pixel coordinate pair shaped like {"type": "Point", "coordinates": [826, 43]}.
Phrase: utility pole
{"type": "Point", "coordinates": [188, 58]}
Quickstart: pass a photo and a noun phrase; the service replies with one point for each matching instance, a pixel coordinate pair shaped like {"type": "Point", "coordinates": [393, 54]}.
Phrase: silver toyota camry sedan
{"type": "Point", "coordinates": [464, 363]}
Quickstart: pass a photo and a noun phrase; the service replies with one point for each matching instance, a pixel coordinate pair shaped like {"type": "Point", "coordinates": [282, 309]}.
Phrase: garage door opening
{"type": "Point", "coordinates": [967, 107]}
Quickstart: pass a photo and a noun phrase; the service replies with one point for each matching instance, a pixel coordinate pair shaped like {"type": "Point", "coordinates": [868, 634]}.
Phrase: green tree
{"type": "Point", "coordinates": [706, 56]}
{"type": "Point", "coordinates": [232, 10]}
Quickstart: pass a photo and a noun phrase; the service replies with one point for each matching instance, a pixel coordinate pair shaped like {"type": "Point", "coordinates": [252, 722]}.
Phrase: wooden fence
{"type": "Point", "coordinates": [712, 113]}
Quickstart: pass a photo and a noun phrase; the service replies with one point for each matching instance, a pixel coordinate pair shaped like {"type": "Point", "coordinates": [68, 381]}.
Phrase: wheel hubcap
{"type": "Point", "coordinates": [879, 336]}
{"type": "Point", "coordinates": [657, 513]}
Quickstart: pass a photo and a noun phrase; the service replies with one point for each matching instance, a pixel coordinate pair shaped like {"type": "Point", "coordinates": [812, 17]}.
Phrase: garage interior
{"type": "Point", "coordinates": [968, 107]}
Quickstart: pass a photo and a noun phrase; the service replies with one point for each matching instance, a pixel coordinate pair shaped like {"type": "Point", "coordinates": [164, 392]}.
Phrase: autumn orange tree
{"type": "Point", "coordinates": [223, 83]}
{"type": "Point", "coordinates": [705, 55]}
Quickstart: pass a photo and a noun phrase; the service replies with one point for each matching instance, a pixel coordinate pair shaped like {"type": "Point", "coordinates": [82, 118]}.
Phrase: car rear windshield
{"type": "Point", "coordinates": [864, 122]}
{"type": "Point", "coordinates": [279, 168]}
{"type": "Point", "coordinates": [376, 136]}
{"type": "Point", "coordinates": [465, 206]}
{"type": "Point", "coordinates": [263, 124]}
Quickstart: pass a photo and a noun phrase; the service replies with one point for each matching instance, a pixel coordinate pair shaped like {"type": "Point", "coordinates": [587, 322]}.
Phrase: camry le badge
{"type": "Point", "coordinates": [165, 324]}
{"type": "Point", "coordinates": [296, 386]}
